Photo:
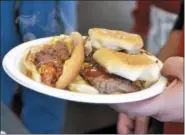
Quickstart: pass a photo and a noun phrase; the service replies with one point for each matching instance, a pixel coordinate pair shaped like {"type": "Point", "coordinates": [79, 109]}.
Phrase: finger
{"type": "Point", "coordinates": [174, 67]}
{"type": "Point", "coordinates": [141, 125]}
{"type": "Point", "coordinates": [122, 130]}
{"type": "Point", "coordinates": [125, 124]}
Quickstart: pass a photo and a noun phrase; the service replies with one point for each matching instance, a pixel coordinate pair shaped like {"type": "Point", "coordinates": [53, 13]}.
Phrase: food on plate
{"type": "Point", "coordinates": [109, 66]}
{"type": "Point", "coordinates": [106, 61]}
{"type": "Point", "coordinates": [82, 86]}
{"type": "Point", "coordinates": [56, 63]}
{"type": "Point", "coordinates": [114, 39]}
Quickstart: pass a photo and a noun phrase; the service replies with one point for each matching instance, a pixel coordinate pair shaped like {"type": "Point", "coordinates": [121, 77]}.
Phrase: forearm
{"type": "Point", "coordinates": [171, 47]}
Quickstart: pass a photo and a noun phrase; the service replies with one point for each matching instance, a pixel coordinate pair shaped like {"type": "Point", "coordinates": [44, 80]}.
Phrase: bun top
{"type": "Point", "coordinates": [116, 40]}
{"type": "Point", "coordinates": [132, 67]}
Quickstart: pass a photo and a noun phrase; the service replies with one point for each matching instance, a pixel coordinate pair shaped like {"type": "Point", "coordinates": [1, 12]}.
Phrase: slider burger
{"type": "Point", "coordinates": [115, 63]}
{"type": "Point", "coordinates": [56, 63]}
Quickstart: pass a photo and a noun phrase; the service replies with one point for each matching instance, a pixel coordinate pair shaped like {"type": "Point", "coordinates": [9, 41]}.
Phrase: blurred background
{"type": "Point", "coordinates": [106, 14]}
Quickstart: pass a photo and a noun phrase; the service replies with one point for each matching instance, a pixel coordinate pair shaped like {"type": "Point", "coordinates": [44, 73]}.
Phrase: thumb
{"type": "Point", "coordinates": [174, 66]}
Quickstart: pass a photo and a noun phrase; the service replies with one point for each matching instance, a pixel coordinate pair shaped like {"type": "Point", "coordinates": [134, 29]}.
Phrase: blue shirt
{"type": "Point", "coordinates": [35, 19]}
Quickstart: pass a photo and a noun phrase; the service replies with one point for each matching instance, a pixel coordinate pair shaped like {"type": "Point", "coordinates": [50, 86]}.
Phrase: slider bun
{"type": "Point", "coordinates": [71, 66]}
{"type": "Point", "coordinates": [132, 67]}
{"type": "Point", "coordinates": [80, 85]}
{"type": "Point", "coordinates": [114, 39]}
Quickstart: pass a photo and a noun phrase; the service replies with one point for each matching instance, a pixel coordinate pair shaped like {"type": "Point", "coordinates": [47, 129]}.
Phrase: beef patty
{"type": "Point", "coordinates": [103, 81]}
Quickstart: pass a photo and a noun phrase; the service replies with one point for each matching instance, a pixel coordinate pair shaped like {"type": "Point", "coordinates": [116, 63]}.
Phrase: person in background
{"type": "Point", "coordinates": [173, 47]}
{"type": "Point", "coordinates": [27, 20]}
{"type": "Point", "coordinates": [154, 20]}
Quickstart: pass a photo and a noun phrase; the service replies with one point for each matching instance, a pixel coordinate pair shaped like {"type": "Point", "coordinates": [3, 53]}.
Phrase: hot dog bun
{"type": "Point", "coordinates": [71, 66]}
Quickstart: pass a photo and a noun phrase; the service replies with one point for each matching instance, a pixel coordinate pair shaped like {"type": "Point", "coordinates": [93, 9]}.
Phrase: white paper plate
{"type": "Point", "coordinates": [11, 66]}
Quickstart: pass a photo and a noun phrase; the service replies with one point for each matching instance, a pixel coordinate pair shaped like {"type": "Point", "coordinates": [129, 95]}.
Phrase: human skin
{"type": "Point", "coordinates": [166, 107]}
{"type": "Point", "coordinates": [169, 50]}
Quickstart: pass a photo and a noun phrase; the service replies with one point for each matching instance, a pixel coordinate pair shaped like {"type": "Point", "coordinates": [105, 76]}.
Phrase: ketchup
{"type": "Point", "coordinates": [92, 72]}
{"type": "Point", "coordinates": [96, 71]}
